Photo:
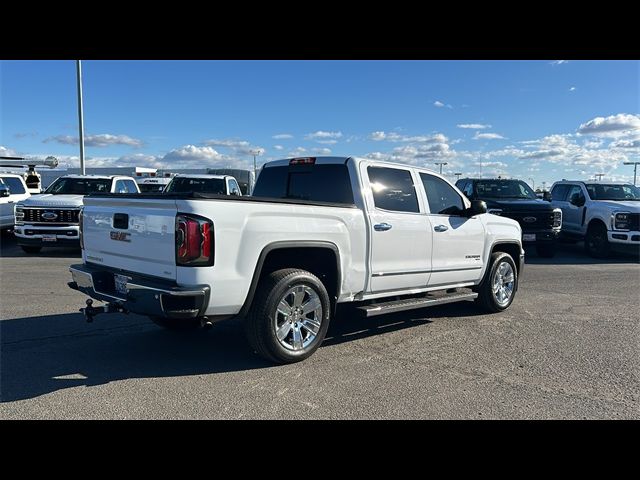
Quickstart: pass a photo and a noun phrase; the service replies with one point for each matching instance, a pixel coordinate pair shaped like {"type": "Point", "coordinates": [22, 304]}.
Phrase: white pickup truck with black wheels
{"type": "Point", "coordinates": [317, 232]}
{"type": "Point", "coordinates": [606, 215]}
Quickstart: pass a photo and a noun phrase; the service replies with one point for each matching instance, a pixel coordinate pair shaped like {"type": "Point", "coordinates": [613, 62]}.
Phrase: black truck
{"type": "Point", "coordinates": [515, 199]}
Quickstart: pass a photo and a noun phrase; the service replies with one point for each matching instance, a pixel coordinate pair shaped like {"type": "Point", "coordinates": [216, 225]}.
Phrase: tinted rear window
{"type": "Point", "coordinates": [317, 183]}
{"type": "Point", "coordinates": [14, 184]}
{"type": "Point", "coordinates": [201, 185]}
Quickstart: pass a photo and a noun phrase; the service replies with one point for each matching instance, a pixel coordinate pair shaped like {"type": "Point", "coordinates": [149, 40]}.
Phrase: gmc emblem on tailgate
{"type": "Point", "coordinates": [120, 236]}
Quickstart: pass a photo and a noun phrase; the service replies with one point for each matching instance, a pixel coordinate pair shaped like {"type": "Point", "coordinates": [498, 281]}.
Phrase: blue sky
{"type": "Point", "coordinates": [544, 120]}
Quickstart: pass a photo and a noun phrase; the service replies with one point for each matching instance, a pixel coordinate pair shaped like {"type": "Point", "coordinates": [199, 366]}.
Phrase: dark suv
{"type": "Point", "coordinates": [512, 198]}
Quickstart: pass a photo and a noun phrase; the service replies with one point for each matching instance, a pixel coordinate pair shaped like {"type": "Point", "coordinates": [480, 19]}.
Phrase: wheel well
{"type": "Point", "coordinates": [594, 222]}
{"type": "Point", "coordinates": [513, 249]}
{"type": "Point", "coordinates": [321, 261]}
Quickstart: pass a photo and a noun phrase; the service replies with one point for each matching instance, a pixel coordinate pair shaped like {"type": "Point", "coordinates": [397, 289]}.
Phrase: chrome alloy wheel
{"type": "Point", "coordinates": [502, 283]}
{"type": "Point", "coordinates": [298, 317]}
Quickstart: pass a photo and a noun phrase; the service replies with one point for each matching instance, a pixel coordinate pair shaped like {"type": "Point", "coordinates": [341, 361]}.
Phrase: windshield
{"type": "Point", "coordinates": [503, 189]}
{"type": "Point", "coordinates": [201, 185]}
{"type": "Point", "coordinates": [79, 186]}
{"type": "Point", "coordinates": [613, 192]}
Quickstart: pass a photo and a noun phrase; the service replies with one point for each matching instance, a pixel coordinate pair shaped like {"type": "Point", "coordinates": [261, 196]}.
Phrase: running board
{"type": "Point", "coordinates": [414, 303]}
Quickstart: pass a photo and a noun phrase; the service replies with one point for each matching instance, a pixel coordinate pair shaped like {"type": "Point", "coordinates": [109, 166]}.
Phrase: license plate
{"type": "Point", "coordinates": [528, 237]}
{"type": "Point", "coordinates": [121, 283]}
{"type": "Point", "coordinates": [49, 238]}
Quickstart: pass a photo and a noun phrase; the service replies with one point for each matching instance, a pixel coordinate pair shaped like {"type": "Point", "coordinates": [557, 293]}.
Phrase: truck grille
{"type": "Point", "coordinates": [51, 216]}
{"type": "Point", "coordinates": [634, 222]}
{"type": "Point", "coordinates": [543, 220]}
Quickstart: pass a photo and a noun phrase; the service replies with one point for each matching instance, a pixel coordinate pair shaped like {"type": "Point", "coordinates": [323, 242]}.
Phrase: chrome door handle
{"type": "Point", "coordinates": [441, 228]}
{"type": "Point", "coordinates": [382, 227]}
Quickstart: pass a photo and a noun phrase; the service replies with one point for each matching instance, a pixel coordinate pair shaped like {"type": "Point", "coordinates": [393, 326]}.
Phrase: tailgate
{"type": "Point", "coordinates": [136, 235]}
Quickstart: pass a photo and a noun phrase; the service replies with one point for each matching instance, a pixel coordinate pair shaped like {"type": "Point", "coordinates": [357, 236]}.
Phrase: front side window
{"type": "Point", "coordinates": [442, 197]}
{"type": "Point", "coordinates": [233, 186]}
{"type": "Point", "coordinates": [120, 187]}
{"type": "Point", "coordinates": [575, 195]}
{"type": "Point", "coordinates": [130, 185]}
{"type": "Point", "coordinates": [393, 189]}
{"type": "Point", "coordinates": [14, 184]}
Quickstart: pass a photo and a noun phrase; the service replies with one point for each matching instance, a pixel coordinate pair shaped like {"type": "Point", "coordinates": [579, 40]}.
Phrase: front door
{"type": "Point", "coordinates": [458, 241]}
{"type": "Point", "coordinates": [400, 234]}
{"type": "Point", "coordinates": [573, 209]}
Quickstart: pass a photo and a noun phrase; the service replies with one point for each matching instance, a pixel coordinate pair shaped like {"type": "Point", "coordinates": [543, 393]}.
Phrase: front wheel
{"type": "Point", "coordinates": [497, 290]}
{"type": "Point", "coordinates": [596, 242]}
{"type": "Point", "coordinates": [546, 250]}
{"type": "Point", "coordinates": [289, 317]}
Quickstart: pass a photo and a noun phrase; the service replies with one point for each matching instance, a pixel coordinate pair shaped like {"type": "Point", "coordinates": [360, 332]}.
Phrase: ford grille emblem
{"type": "Point", "coordinates": [529, 219]}
{"type": "Point", "coordinates": [49, 215]}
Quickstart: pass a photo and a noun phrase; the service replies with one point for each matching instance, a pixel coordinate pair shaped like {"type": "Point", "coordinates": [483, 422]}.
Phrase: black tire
{"type": "Point", "coordinates": [261, 322]}
{"type": "Point", "coordinates": [596, 242]}
{"type": "Point", "coordinates": [30, 249]}
{"type": "Point", "coordinates": [177, 324]}
{"type": "Point", "coordinates": [486, 299]}
{"type": "Point", "coordinates": [546, 250]}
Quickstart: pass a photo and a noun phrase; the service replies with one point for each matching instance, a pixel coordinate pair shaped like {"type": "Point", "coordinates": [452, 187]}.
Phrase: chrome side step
{"type": "Point", "coordinates": [414, 303]}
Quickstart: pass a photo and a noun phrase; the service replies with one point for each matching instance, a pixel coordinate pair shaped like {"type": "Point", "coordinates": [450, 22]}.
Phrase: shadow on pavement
{"type": "Point", "coordinates": [9, 249]}
{"type": "Point", "coordinates": [41, 355]}
{"type": "Point", "coordinates": [574, 254]}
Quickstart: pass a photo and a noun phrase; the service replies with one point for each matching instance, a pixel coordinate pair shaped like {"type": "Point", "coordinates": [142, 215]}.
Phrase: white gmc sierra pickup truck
{"type": "Point", "coordinates": [318, 231]}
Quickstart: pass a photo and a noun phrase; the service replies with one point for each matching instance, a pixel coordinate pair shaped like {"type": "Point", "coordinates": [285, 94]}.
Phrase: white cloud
{"type": "Point", "coordinates": [7, 152]}
{"type": "Point", "coordinates": [282, 136]}
{"type": "Point", "coordinates": [438, 104]}
{"type": "Point", "coordinates": [487, 136]}
{"type": "Point", "coordinates": [572, 89]}
{"type": "Point", "coordinates": [100, 140]}
{"type": "Point", "coordinates": [322, 151]}
{"type": "Point", "coordinates": [226, 143]}
{"type": "Point", "coordinates": [278, 147]}
{"type": "Point", "coordinates": [396, 137]}
{"type": "Point", "coordinates": [613, 126]}
{"type": "Point", "coordinates": [191, 153]}
{"type": "Point", "coordinates": [558, 62]}
{"type": "Point", "coordinates": [327, 142]}
{"type": "Point", "coordinates": [297, 151]}
{"type": "Point", "coordinates": [634, 143]}
{"type": "Point", "coordinates": [321, 136]}
{"type": "Point", "coordinates": [474, 126]}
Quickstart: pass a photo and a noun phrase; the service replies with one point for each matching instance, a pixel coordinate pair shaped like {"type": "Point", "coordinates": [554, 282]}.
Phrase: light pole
{"type": "Point", "coordinates": [635, 168]}
{"type": "Point", "coordinates": [533, 183]}
{"type": "Point", "coordinates": [441, 164]}
{"type": "Point", "coordinates": [80, 115]}
{"type": "Point", "coordinates": [544, 186]}
{"type": "Point", "coordinates": [255, 153]}
{"type": "Point", "coordinates": [457, 174]}
{"type": "Point", "coordinates": [599, 176]}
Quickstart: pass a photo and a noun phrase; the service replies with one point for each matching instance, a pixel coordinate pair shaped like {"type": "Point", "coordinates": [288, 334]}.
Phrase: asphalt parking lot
{"type": "Point", "coordinates": [568, 348]}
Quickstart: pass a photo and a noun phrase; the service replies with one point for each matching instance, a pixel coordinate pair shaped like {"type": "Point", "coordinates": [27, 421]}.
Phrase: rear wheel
{"type": "Point", "coordinates": [289, 317]}
{"type": "Point", "coordinates": [596, 242]}
{"type": "Point", "coordinates": [546, 250]}
{"type": "Point", "coordinates": [176, 324]}
{"type": "Point", "coordinates": [30, 249]}
{"type": "Point", "coordinates": [497, 290]}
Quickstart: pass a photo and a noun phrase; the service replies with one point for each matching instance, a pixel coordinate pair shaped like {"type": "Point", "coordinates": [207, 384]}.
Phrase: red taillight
{"type": "Point", "coordinates": [194, 241]}
{"type": "Point", "coordinates": [303, 161]}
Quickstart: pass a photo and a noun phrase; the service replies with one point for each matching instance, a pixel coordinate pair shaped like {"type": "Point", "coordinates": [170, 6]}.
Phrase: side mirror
{"type": "Point", "coordinates": [477, 207]}
{"type": "Point", "coordinates": [546, 196]}
{"type": "Point", "coordinates": [235, 192]}
{"type": "Point", "coordinates": [4, 191]}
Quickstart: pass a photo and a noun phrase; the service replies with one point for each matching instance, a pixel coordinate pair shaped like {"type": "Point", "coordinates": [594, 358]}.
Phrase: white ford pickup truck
{"type": "Point", "coordinates": [318, 231]}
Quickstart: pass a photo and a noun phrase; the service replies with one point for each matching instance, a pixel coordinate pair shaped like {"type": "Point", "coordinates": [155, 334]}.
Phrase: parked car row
{"type": "Point", "coordinates": [52, 218]}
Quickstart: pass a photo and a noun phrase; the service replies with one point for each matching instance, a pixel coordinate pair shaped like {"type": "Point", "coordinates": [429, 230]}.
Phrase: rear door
{"type": "Point", "coordinates": [458, 241]}
{"type": "Point", "coordinates": [131, 234]}
{"type": "Point", "coordinates": [399, 230]}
